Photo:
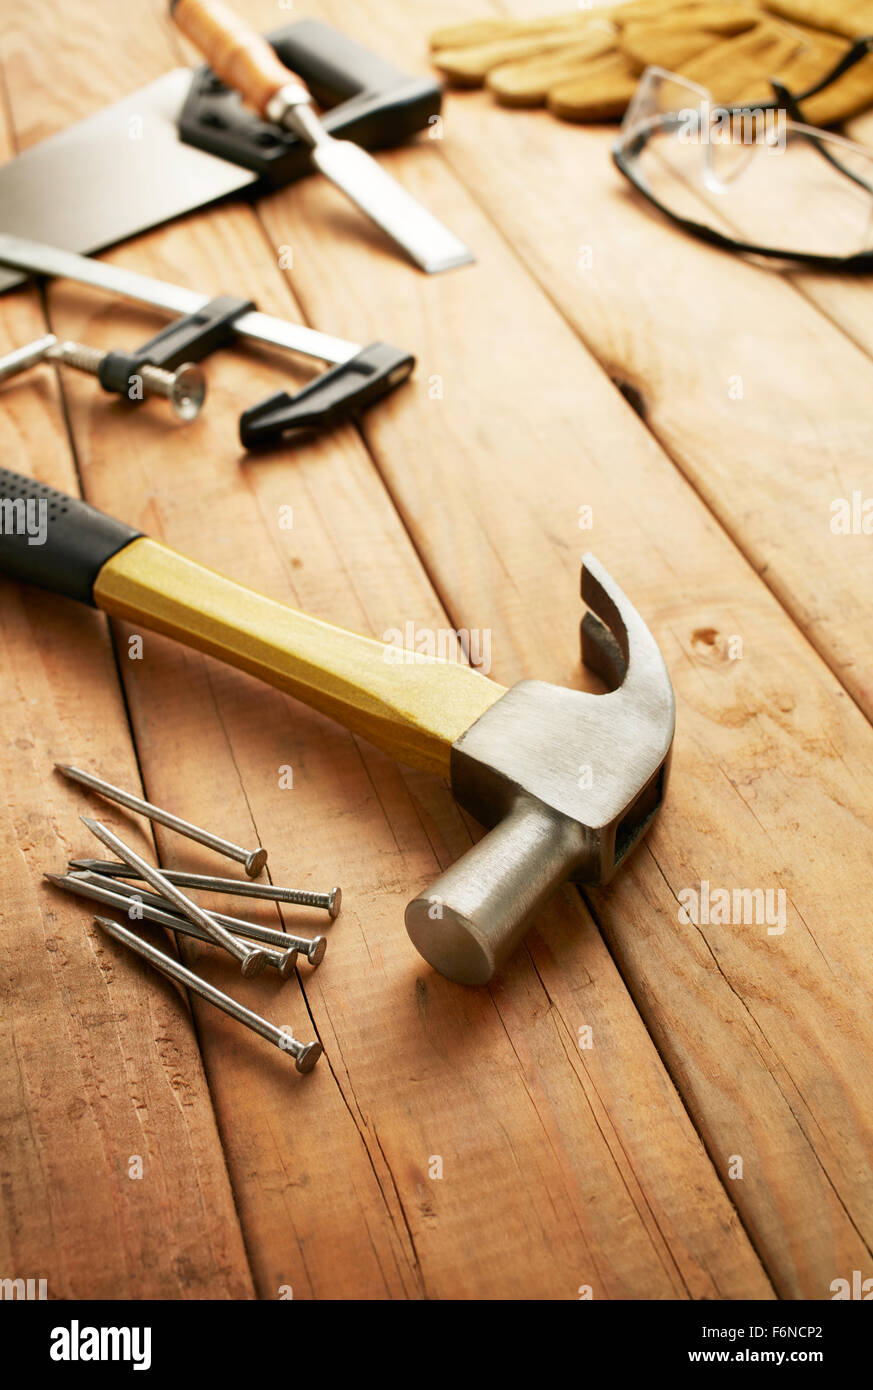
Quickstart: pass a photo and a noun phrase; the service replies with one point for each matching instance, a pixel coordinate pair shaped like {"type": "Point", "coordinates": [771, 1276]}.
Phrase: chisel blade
{"type": "Point", "coordinates": [416, 231]}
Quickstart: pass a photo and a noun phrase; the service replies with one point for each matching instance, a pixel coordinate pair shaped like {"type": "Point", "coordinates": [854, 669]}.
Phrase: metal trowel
{"type": "Point", "coordinates": [186, 140]}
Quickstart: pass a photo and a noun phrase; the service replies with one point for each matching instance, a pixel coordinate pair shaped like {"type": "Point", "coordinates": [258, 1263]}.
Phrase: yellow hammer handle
{"type": "Point", "coordinates": [414, 707]}
{"type": "Point", "coordinates": [240, 57]}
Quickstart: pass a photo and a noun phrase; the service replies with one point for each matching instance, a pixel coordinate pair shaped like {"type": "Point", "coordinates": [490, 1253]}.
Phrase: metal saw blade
{"type": "Point", "coordinates": [113, 175]}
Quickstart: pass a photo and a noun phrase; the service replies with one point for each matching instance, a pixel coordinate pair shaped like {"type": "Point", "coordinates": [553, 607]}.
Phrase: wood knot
{"type": "Point", "coordinates": [712, 646]}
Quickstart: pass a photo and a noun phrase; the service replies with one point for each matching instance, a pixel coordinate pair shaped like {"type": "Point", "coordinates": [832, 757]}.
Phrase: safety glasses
{"type": "Point", "coordinates": [752, 179]}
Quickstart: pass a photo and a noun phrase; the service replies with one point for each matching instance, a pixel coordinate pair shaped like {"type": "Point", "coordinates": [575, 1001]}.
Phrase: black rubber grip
{"type": "Point", "coordinates": [337, 394]}
{"type": "Point", "coordinates": [55, 541]}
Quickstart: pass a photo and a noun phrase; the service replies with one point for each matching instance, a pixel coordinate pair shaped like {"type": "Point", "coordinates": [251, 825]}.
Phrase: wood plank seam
{"type": "Point", "coordinates": [636, 403]}
{"type": "Point", "coordinates": [64, 412]}
{"type": "Point", "coordinates": [635, 993]}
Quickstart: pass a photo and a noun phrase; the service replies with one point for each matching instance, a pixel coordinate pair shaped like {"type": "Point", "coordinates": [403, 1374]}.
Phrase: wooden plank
{"type": "Point", "coordinates": [846, 299]}
{"type": "Point", "coordinates": [383, 1018]}
{"type": "Point", "coordinates": [687, 328]}
{"type": "Point", "coordinates": [767, 1036]}
{"type": "Point", "coordinates": [756, 396]}
{"type": "Point", "coordinates": [553, 1178]}
{"type": "Point", "coordinates": [108, 1135]}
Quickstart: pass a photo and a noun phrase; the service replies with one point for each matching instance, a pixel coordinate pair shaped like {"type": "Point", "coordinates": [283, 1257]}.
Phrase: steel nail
{"type": "Point", "coordinates": [252, 962]}
{"type": "Point", "coordinates": [253, 860]}
{"type": "Point", "coordinates": [330, 902]}
{"type": "Point", "coordinates": [283, 961]}
{"type": "Point", "coordinates": [305, 1054]}
{"type": "Point", "coordinates": [313, 948]}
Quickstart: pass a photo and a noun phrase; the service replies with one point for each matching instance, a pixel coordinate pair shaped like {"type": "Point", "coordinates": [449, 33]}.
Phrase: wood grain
{"type": "Point", "coordinates": [108, 1134]}
{"type": "Point", "coordinates": [563, 1166]}
{"type": "Point", "coordinates": [417, 1071]}
{"type": "Point", "coordinates": [847, 300]}
{"type": "Point", "coordinates": [767, 1036]}
{"type": "Point", "coordinates": [759, 399]}
{"type": "Point", "coordinates": [550, 1180]}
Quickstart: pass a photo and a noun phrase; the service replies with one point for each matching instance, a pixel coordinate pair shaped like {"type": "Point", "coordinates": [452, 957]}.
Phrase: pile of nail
{"type": "Point", "coordinates": [113, 882]}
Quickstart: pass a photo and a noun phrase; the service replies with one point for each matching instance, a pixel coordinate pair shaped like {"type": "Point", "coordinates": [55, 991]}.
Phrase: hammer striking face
{"type": "Point", "coordinates": [569, 781]}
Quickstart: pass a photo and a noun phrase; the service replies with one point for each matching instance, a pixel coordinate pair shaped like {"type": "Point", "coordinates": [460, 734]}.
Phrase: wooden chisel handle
{"type": "Point", "coordinates": [240, 57]}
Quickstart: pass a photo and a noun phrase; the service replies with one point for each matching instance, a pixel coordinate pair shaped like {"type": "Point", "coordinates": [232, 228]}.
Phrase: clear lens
{"type": "Point", "coordinates": [754, 175]}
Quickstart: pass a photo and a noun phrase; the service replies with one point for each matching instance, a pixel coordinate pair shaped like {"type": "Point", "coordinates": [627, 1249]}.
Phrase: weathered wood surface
{"type": "Point", "coordinates": [459, 507]}
{"type": "Point", "coordinates": [114, 1182]}
{"type": "Point", "coordinates": [762, 753]}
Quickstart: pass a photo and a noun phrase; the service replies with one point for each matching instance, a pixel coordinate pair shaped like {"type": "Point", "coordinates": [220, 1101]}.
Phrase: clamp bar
{"type": "Point", "coordinates": [23, 254]}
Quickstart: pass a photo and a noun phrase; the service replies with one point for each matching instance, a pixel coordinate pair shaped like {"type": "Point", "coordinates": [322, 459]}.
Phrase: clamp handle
{"type": "Point", "coordinates": [187, 339]}
{"type": "Point", "coordinates": [336, 395]}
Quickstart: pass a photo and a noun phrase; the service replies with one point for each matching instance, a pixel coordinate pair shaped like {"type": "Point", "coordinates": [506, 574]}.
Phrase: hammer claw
{"type": "Point", "coordinates": [601, 653]}
{"type": "Point", "coordinates": [570, 782]}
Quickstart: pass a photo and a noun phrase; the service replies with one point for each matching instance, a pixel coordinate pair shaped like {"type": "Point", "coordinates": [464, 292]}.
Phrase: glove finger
{"type": "Point", "coordinates": [482, 31]}
{"type": "Point", "coordinates": [849, 95]}
{"type": "Point", "coordinates": [851, 18]}
{"type": "Point", "coordinates": [674, 41]}
{"type": "Point", "coordinates": [528, 83]}
{"type": "Point", "coordinates": [739, 69]}
{"type": "Point", "coordinates": [476, 32]}
{"type": "Point", "coordinates": [468, 67]}
{"type": "Point", "coordinates": [676, 11]}
{"type": "Point", "coordinates": [600, 91]}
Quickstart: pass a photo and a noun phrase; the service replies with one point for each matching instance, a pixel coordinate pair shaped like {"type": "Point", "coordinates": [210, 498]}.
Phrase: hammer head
{"type": "Point", "coordinates": [570, 782]}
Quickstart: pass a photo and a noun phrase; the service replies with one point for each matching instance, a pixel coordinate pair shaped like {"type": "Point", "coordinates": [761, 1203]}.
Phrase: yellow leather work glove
{"type": "Point", "coordinates": [584, 64]}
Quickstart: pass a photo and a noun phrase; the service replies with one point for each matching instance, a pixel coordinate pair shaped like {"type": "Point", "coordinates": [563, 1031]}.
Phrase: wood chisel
{"type": "Point", "coordinates": [186, 140]}
{"type": "Point", "coordinates": [246, 62]}
{"type": "Point", "coordinates": [514, 756]}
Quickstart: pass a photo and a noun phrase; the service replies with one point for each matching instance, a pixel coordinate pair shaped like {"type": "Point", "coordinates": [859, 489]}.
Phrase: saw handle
{"type": "Point", "coordinates": [55, 541]}
{"type": "Point", "coordinates": [240, 57]}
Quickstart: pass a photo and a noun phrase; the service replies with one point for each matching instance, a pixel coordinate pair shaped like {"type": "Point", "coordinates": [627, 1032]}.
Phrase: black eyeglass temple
{"type": "Point", "coordinates": [859, 50]}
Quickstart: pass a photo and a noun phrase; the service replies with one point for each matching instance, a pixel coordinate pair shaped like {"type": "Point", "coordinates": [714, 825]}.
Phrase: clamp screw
{"type": "Point", "coordinates": [27, 356]}
{"type": "Point", "coordinates": [185, 388]}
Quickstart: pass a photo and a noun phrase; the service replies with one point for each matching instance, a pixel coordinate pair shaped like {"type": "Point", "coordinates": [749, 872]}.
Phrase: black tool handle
{"type": "Point", "coordinates": [363, 98]}
{"type": "Point", "coordinates": [55, 541]}
{"type": "Point", "coordinates": [338, 394]}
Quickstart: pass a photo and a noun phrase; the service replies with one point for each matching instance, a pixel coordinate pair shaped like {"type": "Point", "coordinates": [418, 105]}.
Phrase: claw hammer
{"type": "Point", "coordinates": [567, 782]}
